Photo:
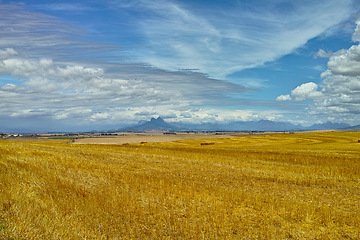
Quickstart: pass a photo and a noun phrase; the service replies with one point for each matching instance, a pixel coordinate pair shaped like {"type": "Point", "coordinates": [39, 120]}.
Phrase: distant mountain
{"type": "Point", "coordinates": [158, 124]}
{"type": "Point", "coordinates": [198, 127]}
{"type": "Point", "coordinates": [356, 127]}
{"type": "Point", "coordinates": [329, 125]}
{"type": "Point", "coordinates": [262, 125]}
{"type": "Point", "coordinates": [155, 124]}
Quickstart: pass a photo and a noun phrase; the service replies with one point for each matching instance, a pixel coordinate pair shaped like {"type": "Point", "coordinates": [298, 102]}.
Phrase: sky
{"type": "Point", "coordinates": [95, 65]}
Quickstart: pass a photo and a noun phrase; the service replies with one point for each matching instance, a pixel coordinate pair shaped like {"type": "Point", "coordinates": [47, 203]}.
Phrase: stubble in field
{"type": "Point", "coordinates": [301, 186]}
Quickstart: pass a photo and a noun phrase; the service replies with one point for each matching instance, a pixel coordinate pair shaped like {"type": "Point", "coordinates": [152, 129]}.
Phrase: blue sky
{"type": "Point", "coordinates": [83, 65]}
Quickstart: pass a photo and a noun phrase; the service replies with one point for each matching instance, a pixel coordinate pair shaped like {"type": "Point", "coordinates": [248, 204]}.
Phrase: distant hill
{"type": "Point", "coordinates": [155, 124]}
{"type": "Point", "coordinates": [262, 125]}
{"type": "Point", "coordinates": [329, 125]}
{"type": "Point", "coordinates": [158, 124]}
{"type": "Point", "coordinates": [356, 127]}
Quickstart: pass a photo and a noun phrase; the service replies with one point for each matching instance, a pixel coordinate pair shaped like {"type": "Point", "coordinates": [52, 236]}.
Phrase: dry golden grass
{"type": "Point", "coordinates": [132, 138]}
{"type": "Point", "coordinates": [300, 186]}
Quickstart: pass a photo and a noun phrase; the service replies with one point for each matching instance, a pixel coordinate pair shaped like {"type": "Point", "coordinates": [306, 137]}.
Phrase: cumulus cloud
{"type": "Point", "coordinates": [302, 92]}
{"type": "Point", "coordinates": [346, 63]}
{"type": "Point", "coordinates": [43, 75]}
{"type": "Point", "coordinates": [341, 83]}
{"type": "Point", "coordinates": [339, 97]}
{"type": "Point", "coordinates": [204, 115]}
{"type": "Point", "coordinates": [283, 98]}
{"type": "Point", "coordinates": [323, 54]}
{"type": "Point", "coordinates": [58, 76]}
{"type": "Point", "coordinates": [7, 52]}
{"type": "Point", "coordinates": [356, 35]}
{"type": "Point", "coordinates": [47, 82]}
{"type": "Point", "coordinates": [306, 91]}
{"type": "Point", "coordinates": [60, 91]}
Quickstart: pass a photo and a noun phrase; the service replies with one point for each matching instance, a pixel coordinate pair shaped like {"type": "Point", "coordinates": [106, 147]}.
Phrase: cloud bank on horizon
{"type": "Point", "coordinates": [69, 65]}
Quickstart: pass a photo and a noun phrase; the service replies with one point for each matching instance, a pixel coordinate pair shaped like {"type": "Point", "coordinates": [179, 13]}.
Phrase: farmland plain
{"type": "Point", "coordinates": [284, 186]}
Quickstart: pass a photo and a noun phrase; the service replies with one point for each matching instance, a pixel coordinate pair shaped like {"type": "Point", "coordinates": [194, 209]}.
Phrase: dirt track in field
{"type": "Point", "coordinates": [139, 138]}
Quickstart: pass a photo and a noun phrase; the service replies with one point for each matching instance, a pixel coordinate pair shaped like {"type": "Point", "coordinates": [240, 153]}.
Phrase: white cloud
{"type": "Point", "coordinates": [63, 87]}
{"type": "Point", "coordinates": [58, 76]}
{"type": "Point", "coordinates": [29, 113]}
{"type": "Point", "coordinates": [8, 87]}
{"type": "Point", "coordinates": [63, 7]}
{"type": "Point", "coordinates": [45, 76]}
{"type": "Point", "coordinates": [356, 35]}
{"type": "Point", "coordinates": [50, 90]}
{"type": "Point", "coordinates": [323, 54]}
{"type": "Point", "coordinates": [24, 28]}
{"type": "Point", "coordinates": [306, 91]}
{"type": "Point", "coordinates": [44, 36]}
{"type": "Point", "coordinates": [339, 98]}
{"type": "Point", "coordinates": [283, 98]}
{"type": "Point", "coordinates": [223, 41]}
{"type": "Point", "coordinates": [7, 52]}
{"type": "Point", "coordinates": [346, 63]}
{"type": "Point", "coordinates": [204, 115]}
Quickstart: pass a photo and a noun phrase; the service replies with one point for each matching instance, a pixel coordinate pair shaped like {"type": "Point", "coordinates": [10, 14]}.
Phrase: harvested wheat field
{"type": "Point", "coordinates": [148, 137]}
{"type": "Point", "coordinates": [294, 186]}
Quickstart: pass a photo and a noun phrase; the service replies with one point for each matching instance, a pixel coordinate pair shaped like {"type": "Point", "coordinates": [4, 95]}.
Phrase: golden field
{"type": "Point", "coordinates": [290, 186]}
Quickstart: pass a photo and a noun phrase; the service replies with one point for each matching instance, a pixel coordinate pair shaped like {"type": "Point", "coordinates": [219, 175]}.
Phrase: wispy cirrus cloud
{"type": "Point", "coordinates": [65, 73]}
{"type": "Point", "coordinates": [21, 28]}
{"type": "Point", "coordinates": [48, 83]}
{"type": "Point", "coordinates": [72, 7]}
{"type": "Point", "coordinates": [233, 37]}
{"type": "Point", "coordinates": [42, 35]}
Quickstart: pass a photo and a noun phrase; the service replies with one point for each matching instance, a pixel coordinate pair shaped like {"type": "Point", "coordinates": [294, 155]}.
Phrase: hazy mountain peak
{"type": "Point", "coordinates": [155, 124]}
{"type": "Point", "coordinates": [159, 120]}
